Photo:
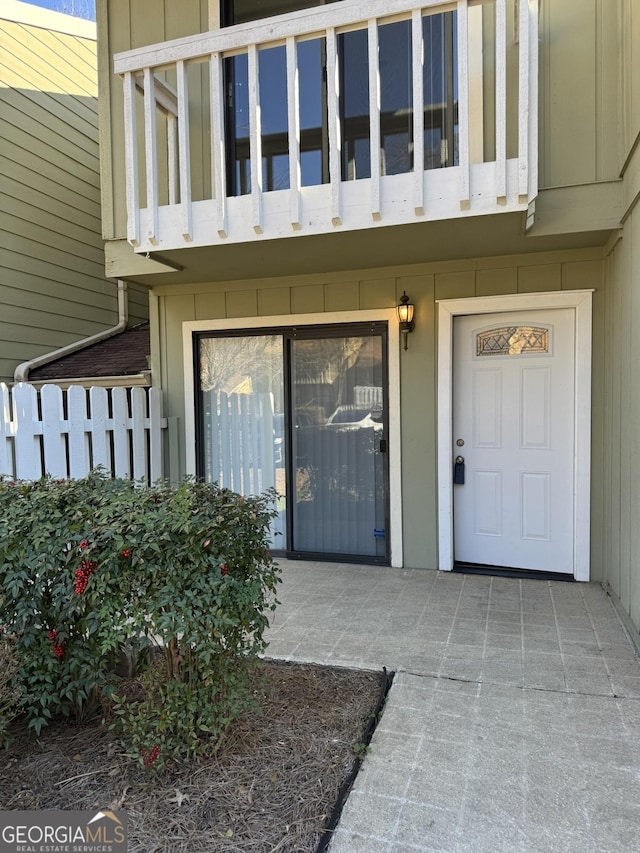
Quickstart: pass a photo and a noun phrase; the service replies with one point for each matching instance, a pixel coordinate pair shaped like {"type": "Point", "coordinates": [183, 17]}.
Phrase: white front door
{"type": "Point", "coordinates": [514, 427]}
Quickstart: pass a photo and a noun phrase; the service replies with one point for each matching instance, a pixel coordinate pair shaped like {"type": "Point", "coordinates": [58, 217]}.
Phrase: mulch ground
{"type": "Point", "coordinates": [272, 786]}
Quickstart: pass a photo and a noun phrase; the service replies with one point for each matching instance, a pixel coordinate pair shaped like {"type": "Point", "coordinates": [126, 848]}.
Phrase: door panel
{"type": "Point", "coordinates": [514, 427]}
{"type": "Point", "coordinates": [339, 503]}
{"type": "Point", "coordinates": [241, 415]}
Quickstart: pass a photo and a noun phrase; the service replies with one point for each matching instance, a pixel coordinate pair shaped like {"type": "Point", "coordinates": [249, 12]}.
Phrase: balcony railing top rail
{"type": "Point", "coordinates": [238, 201]}
{"type": "Point", "coordinates": [306, 23]}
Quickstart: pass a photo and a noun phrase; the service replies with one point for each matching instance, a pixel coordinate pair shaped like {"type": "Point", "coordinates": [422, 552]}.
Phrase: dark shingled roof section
{"type": "Point", "coordinates": [125, 354]}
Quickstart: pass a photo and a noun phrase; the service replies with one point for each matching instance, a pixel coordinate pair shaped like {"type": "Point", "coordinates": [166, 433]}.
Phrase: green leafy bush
{"type": "Point", "coordinates": [89, 566]}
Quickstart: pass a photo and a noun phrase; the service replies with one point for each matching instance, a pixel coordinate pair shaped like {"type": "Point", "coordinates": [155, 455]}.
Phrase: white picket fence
{"type": "Point", "coordinates": [66, 434]}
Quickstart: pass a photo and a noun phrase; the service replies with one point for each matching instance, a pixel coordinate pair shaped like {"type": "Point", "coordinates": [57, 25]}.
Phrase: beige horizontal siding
{"type": "Point", "coordinates": [138, 304]}
{"type": "Point", "coordinates": [53, 290]}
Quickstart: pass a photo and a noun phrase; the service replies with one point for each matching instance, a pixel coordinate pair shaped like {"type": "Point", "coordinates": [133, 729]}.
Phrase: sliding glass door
{"type": "Point", "coordinates": [338, 445]}
{"type": "Point", "coordinates": [303, 410]}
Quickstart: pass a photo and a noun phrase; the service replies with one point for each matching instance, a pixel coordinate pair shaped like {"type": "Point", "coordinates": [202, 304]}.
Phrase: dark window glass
{"type": "Point", "coordinates": [353, 51]}
{"type": "Point", "coordinates": [313, 112]}
{"type": "Point", "coordinates": [396, 97]}
{"type": "Point", "coordinates": [236, 70]}
{"type": "Point", "coordinates": [272, 82]}
{"type": "Point", "coordinates": [440, 79]}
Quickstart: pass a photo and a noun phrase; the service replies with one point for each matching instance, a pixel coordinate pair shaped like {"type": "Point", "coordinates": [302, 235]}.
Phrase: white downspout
{"type": "Point", "coordinates": [21, 373]}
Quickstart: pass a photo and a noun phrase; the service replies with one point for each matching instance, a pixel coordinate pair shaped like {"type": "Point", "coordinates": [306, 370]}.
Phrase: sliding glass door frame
{"type": "Point", "coordinates": [366, 439]}
{"type": "Point", "coordinates": [242, 325]}
{"type": "Point", "coordinates": [323, 332]}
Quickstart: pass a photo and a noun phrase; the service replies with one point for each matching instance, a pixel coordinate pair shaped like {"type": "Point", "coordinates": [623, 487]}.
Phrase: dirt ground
{"type": "Point", "coordinates": [272, 786]}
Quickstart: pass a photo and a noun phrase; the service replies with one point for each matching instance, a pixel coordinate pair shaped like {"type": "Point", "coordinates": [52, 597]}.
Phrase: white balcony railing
{"type": "Point", "coordinates": [188, 183]}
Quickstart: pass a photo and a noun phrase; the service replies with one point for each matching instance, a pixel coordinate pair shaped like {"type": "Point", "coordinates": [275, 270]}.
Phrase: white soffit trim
{"type": "Point", "coordinates": [330, 318]}
{"type": "Point", "coordinates": [581, 301]}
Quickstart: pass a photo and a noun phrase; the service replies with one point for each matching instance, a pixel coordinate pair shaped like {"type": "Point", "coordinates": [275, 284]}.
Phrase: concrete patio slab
{"type": "Point", "coordinates": [513, 723]}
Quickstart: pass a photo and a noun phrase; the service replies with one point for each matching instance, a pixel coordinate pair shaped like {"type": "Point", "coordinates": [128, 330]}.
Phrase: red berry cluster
{"type": "Point", "coordinates": [125, 553]}
{"type": "Point", "coordinates": [58, 648]}
{"type": "Point", "coordinates": [224, 569]}
{"type": "Point", "coordinates": [83, 545]}
{"type": "Point", "coordinates": [87, 568]}
{"type": "Point", "coordinates": [149, 755]}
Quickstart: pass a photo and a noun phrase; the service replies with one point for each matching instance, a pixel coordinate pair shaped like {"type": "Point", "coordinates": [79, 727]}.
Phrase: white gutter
{"type": "Point", "coordinates": [21, 373]}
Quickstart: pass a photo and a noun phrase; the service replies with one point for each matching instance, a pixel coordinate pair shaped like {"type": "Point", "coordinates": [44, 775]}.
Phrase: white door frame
{"type": "Point", "coordinates": [581, 302]}
{"type": "Point", "coordinates": [336, 318]}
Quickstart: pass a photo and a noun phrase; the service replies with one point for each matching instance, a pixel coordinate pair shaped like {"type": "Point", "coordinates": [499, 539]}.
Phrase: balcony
{"type": "Point", "coordinates": [328, 119]}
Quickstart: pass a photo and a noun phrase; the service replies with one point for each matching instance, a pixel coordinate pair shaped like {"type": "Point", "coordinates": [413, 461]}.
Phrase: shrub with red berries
{"type": "Point", "coordinates": [58, 648]}
{"type": "Point", "coordinates": [107, 563]}
{"type": "Point", "coordinates": [82, 575]}
{"type": "Point", "coordinates": [149, 756]}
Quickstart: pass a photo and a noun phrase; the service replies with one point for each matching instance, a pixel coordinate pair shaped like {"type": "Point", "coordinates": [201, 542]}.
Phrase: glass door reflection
{"type": "Point", "coordinates": [338, 444]}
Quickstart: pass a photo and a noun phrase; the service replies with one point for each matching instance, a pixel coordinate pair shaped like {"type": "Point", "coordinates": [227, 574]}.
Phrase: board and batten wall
{"type": "Point", "coordinates": [620, 543]}
{"type": "Point", "coordinates": [53, 290]}
{"type": "Point", "coordinates": [328, 295]}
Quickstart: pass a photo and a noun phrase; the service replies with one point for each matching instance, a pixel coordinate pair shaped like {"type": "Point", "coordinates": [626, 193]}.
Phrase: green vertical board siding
{"type": "Point", "coordinates": [580, 100]}
{"type": "Point", "coordinates": [621, 423]}
{"type": "Point", "coordinates": [382, 289]}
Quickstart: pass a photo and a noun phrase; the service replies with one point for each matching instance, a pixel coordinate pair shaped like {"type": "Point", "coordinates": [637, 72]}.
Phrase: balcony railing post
{"type": "Point", "coordinates": [218, 155]}
{"type": "Point", "coordinates": [172, 157]}
{"type": "Point", "coordinates": [131, 159]}
{"type": "Point", "coordinates": [417, 51]}
{"type": "Point", "coordinates": [151, 155]}
{"type": "Point", "coordinates": [463, 104]}
{"type": "Point", "coordinates": [501, 101]}
{"type": "Point", "coordinates": [293, 111]}
{"type": "Point", "coordinates": [184, 151]}
{"type": "Point", "coordinates": [161, 215]}
{"type": "Point", "coordinates": [374, 117]}
{"type": "Point", "coordinates": [532, 163]}
{"type": "Point", "coordinates": [255, 139]}
{"type": "Point", "coordinates": [335, 166]}
{"type": "Point", "coordinates": [523, 100]}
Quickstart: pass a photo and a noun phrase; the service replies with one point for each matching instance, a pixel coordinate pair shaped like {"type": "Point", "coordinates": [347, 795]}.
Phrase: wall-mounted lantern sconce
{"type": "Point", "coordinates": [406, 310]}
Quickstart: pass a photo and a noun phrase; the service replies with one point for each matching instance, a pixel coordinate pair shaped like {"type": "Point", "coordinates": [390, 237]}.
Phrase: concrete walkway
{"type": "Point", "coordinates": [513, 723]}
